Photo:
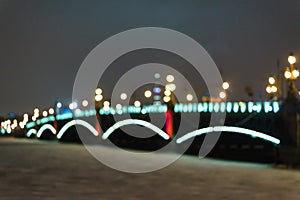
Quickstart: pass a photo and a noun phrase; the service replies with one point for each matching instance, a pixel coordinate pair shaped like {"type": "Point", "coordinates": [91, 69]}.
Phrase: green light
{"type": "Point", "coordinates": [228, 107]}
{"type": "Point", "coordinates": [275, 107]}
{"type": "Point", "coordinates": [216, 107]}
{"type": "Point", "coordinates": [195, 107]}
{"type": "Point", "coordinates": [200, 107]}
{"type": "Point", "coordinates": [257, 107]}
{"type": "Point", "coordinates": [250, 107]}
{"type": "Point", "coordinates": [134, 110]}
{"type": "Point", "coordinates": [178, 108]}
{"type": "Point", "coordinates": [89, 113]}
{"type": "Point", "coordinates": [64, 116]}
{"type": "Point", "coordinates": [190, 107]}
{"type": "Point", "coordinates": [243, 107]}
{"type": "Point", "coordinates": [235, 107]}
{"type": "Point", "coordinates": [184, 108]}
{"type": "Point", "coordinates": [222, 107]}
{"type": "Point", "coordinates": [156, 98]}
{"type": "Point", "coordinates": [205, 107]}
{"type": "Point", "coordinates": [30, 125]}
{"type": "Point", "coordinates": [267, 107]}
{"type": "Point", "coordinates": [45, 120]}
{"type": "Point", "coordinates": [210, 107]}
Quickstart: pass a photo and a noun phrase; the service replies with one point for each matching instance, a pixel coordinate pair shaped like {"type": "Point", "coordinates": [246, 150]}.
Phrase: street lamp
{"type": "Point", "coordinates": [51, 111]}
{"type": "Point", "coordinates": [167, 92]}
{"type": "Point", "coordinates": [225, 85]}
{"type": "Point", "coordinates": [292, 59]}
{"type": "Point", "coordinates": [106, 104]}
{"type": "Point", "coordinates": [170, 86]}
{"type": "Point", "coordinates": [291, 74]}
{"type": "Point", "coordinates": [167, 99]}
{"type": "Point", "coordinates": [123, 96]}
{"type": "Point", "coordinates": [170, 78]}
{"type": "Point", "coordinates": [271, 80]}
{"type": "Point", "coordinates": [272, 87]}
{"type": "Point", "coordinates": [189, 97]}
{"type": "Point", "coordinates": [85, 103]}
{"type": "Point", "coordinates": [98, 98]}
{"type": "Point", "coordinates": [137, 104]}
{"type": "Point", "coordinates": [148, 94]}
{"type": "Point", "coordinates": [224, 94]}
{"type": "Point", "coordinates": [98, 91]}
{"type": "Point", "coordinates": [98, 95]}
{"type": "Point", "coordinates": [45, 113]}
{"type": "Point", "coordinates": [73, 105]}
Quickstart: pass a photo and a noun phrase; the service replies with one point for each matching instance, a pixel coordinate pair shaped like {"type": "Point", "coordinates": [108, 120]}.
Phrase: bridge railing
{"type": "Point", "coordinates": [228, 107]}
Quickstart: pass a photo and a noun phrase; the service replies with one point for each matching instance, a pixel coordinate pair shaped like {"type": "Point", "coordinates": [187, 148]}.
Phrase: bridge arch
{"type": "Point", "coordinates": [135, 122]}
{"type": "Point", "coordinates": [45, 127]}
{"type": "Point", "coordinates": [232, 129]}
{"type": "Point", "coordinates": [77, 122]}
{"type": "Point", "coordinates": [31, 132]}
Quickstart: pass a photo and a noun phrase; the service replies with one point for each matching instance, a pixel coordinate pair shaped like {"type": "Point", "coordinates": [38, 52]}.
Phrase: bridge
{"type": "Point", "coordinates": [250, 128]}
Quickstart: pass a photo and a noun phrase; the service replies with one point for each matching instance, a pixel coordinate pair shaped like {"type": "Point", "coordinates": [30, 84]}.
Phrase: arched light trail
{"type": "Point", "coordinates": [228, 129]}
{"type": "Point", "coordinates": [134, 122]}
{"type": "Point", "coordinates": [45, 127]}
{"type": "Point", "coordinates": [30, 132]}
{"type": "Point", "coordinates": [76, 122]}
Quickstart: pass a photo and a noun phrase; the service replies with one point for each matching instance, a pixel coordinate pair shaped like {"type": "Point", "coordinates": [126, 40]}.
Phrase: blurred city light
{"type": "Point", "coordinates": [156, 90]}
{"type": "Point", "coordinates": [271, 80]}
{"type": "Point", "coordinates": [137, 103]}
{"type": "Point", "coordinates": [222, 95]}
{"type": "Point", "coordinates": [157, 75]}
{"type": "Point", "coordinates": [170, 78]}
{"type": "Point", "coordinates": [98, 97]}
{"type": "Point", "coordinates": [59, 105]}
{"type": "Point", "coordinates": [189, 97]}
{"type": "Point", "coordinates": [295, 73]}
{"type": "Point", "coordinates": [171, 87]}
{"type": "Point", "coordinates": [292, 59]}
{"type": "Point", "coordinates": [123, 96]}
{"type": "Point", "coordinates": [51, 111]}
{"type": "Point", "coordinates": [85, 103]}
{"type": "Point", "coordinates": [106, 104]}
{"type": "Point", "coordinates": [167, 92]}
{"type": "Point", "coordinates": [167, 99]}
{"type": "Point", "coordinates": [269, 89]}
{"type": "Point", "coordinates": [274, 89]}
{"type": "Point", "coordinates": [73, 105]}
{"type": "Point", "coordinates": [225, 85]}
{"type": "Point", "coordinates": [98, 91]}
{"type": "Point", "coordinates": [287, 74]}
{"type": "Point", "coordinates": [148, 93]}
{"type": "Point", "coordinates": [45, 113]}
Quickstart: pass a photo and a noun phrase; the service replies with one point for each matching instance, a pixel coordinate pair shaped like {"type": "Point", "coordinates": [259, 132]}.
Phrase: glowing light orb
{"type": "Point", "coordinates": [137, 103]}
{"type": "Point", "coordinates": [123, 96]}
{"type": "Point", "coordinates": [85, 103]}
{"type": "Point", "coordinates": [189, 97]}
{"type": "Point", "coordinates": [148, 93]}
{"type": "Point", "coordinates": [170, 78]}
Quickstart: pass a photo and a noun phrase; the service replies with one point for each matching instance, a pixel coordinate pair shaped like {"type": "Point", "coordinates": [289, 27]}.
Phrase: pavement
{"type": "Point", "coordinates": [34, 169]}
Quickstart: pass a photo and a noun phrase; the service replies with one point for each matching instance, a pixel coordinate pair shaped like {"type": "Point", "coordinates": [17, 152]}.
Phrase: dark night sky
{"type": "Point", "coordinates": [42, 43]}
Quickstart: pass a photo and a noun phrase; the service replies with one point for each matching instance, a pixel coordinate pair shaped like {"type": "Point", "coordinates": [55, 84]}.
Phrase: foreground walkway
{"type": "Point", "coordinates": [31, 169]}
